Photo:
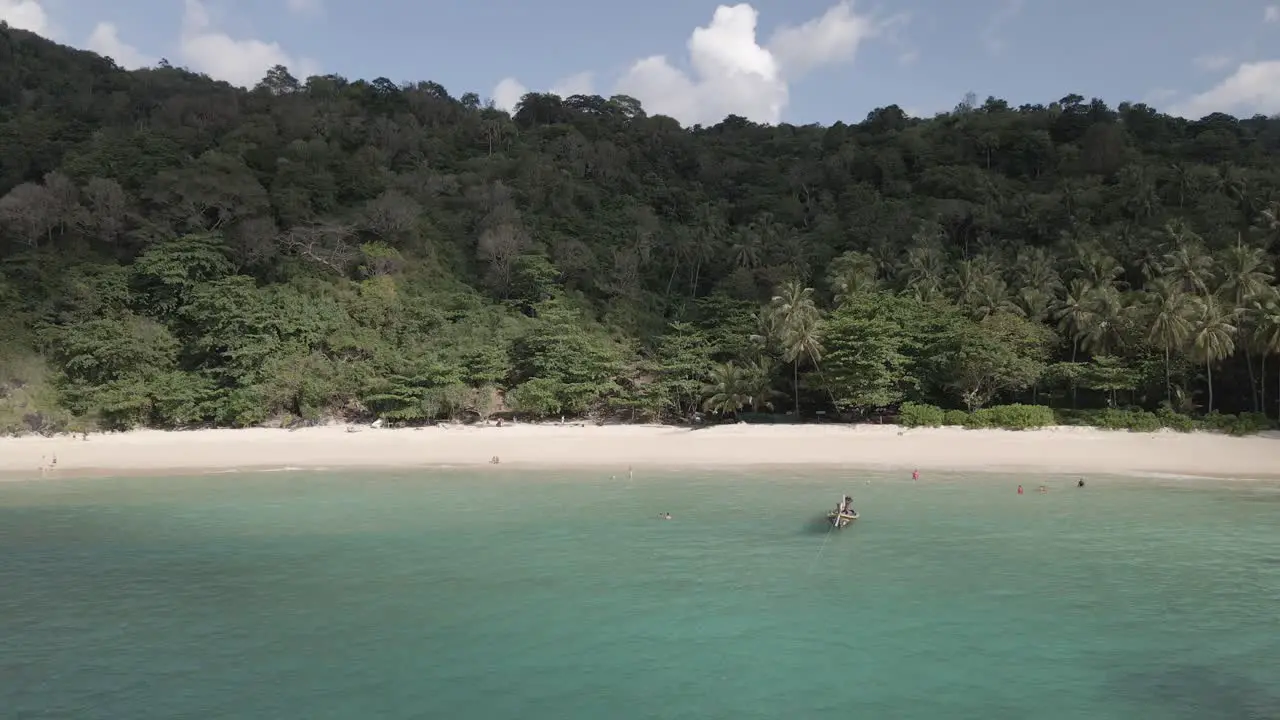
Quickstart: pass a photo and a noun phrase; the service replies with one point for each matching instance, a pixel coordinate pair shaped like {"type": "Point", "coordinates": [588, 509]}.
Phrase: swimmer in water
{"type": "Point", "coordinates": [1081, 483]}
{"type": "Point", "coordinates": [915, 474]}
{"type": "Point", "coordinates": [665, 516]}
{"type": "Point", "coordinates": [1019, 489]}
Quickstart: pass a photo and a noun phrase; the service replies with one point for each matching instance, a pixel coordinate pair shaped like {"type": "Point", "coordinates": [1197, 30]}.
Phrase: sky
{"type": "Point", "coordinates": [796, 61]}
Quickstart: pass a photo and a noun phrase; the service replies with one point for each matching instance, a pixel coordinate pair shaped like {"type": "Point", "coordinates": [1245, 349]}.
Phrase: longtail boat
{"type": "Point", "coordinates": [843, 514]}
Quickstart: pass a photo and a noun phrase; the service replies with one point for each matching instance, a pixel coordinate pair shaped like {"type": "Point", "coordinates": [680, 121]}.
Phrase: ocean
{"type": "Point", "coordinates": [564, 595]}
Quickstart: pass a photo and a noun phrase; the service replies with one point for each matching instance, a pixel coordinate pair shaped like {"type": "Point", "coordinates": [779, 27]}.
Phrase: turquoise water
{"type": "Point", "coordinates": [508, 595]}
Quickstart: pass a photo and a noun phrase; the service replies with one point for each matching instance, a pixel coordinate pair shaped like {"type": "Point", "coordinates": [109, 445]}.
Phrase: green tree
{"type": "Point", "coordinates": [865, 365]}
{"type": "Point", "coordinates": [679, 366]}
{"type": "Point", "coordinates": [314, 247]}
{"type": "Point", "coordinates": [1213, 337]}
{"type": "Point", "coordinates": [731, 387]}
{"type": "Point", "coordinates": [1168, 309]}
{"type": "Point", "coordinates": [794, 325]}
{"type": "Point", "coordinates": [1000, 354]}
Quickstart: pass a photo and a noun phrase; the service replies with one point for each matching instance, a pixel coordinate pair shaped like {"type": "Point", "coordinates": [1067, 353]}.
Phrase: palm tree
{"type": "Point", "coordinates": [1034, 303]}
{"type": "Point", "coordinates": [1109, 314]}
{"type": "Point", "coordinates": [991, 297]}
{"type": "Point", "coordinates": [746, 248]}
{"type": "Point", "coordinates": [1076, 314]}
{"type": "Point", "coordinates": [1077, 319]}
{"type": "Point", "coordinates": [886, 256]}
{"type": "Point", "coordinates": [851, 274]}
{"type": "Point", "coordinates": [963, 283]}
{"type": "Point", "coordinates": [1035, 272]}
{"type": "Point", "coordinates": [1266, 338]}
{"type": "Point", "coordinates": [1188, 262]}
{"type": "Point", "coordinates": [1100, 268]}
{"type": "Point", "coordinates": [1183, 181]}
{"type": "Point", "coordinates": [1213, 337]}
{"type": "Point", "coordinates": [732, 387]}
{"type": "Point", "coordinates": [794, 320]}
{"type": "Point", "coordinates": [1168, 311]}
{"type": "Point", "coordinates": [923, 271]}
{"type": "Point", "coordinates": [1246, 280]}
{"type": "Point", "coordinates": [1035, 268]}
{"type": "Point", "coordinates": [1269, 222]}
{"type": "Point", "coordinates": [1246, 274]}
{"type": "Point", "coordinates": [710, 237]}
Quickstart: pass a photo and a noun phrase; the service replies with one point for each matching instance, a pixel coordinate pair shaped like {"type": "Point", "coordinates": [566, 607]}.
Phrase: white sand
{"type": "Point", "coordinates": [1065, 450]}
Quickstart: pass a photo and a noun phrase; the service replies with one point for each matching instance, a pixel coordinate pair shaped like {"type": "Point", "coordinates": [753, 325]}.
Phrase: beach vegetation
{"type": "Point", "coordinates": [177, 252]}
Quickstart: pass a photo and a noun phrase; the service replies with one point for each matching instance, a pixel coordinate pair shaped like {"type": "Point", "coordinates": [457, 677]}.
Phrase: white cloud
{"type": "Point", "coordinates": [305, 7]}
{"type": "Point", "coordinates": [1253, 88]}
{"type": "Point", "coordinates": [1271, 14]}
{"type": "Point", "coordinates": [580, 84]}
{"type": "Point", "coordinates": [239, 62]}
{"type": "Point", "coordinates": [1159, 97]}
{"type": "Point", "coordinates": [105, 40]}
{"type": "Point", "coordinates": [507, 93]}
{"type": "Point", "coordinates": [1212, 62]}
{"type": "Point", "coordinates": [991, 37]}
{"type": "Point", "coordinates": [832, 38]}
{"type": "Point", "coordinates": [25, 15]}
{"type": "Point", "coordinates": [730, 72]}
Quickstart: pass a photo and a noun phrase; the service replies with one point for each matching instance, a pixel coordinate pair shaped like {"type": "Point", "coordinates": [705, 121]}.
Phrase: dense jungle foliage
{"type": "Point", "coordinates": [178, 252]}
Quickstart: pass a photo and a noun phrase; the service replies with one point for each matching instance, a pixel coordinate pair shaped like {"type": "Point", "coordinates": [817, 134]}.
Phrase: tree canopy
{"type": "Point", "coordinates": [175, 252]}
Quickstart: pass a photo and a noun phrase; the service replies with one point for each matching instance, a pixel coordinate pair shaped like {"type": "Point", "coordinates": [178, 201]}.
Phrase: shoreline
{"type": "Point", "coordinates": [1058, 450]}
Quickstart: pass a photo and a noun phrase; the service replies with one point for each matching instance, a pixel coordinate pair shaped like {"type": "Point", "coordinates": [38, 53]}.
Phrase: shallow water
{"type": "Point", "coordinates": [418, 595]}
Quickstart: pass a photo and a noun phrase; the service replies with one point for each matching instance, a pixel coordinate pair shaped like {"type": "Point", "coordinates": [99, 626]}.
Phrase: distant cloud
{"type": "Point", "coordinates": [1158, 97]}
{"type": "Point", "coordinates": [305, 7]}
{"type": "Point", "coordinates": [240, 62]}
{"type": "Point", "coordinates": [1253, 88]}
{"type": "Point", "coordinates": [1212, 62]}
{"type": "Point", "coordinates": [1271, 14]}
{"type": "Point", "coordinates": [507, 93]}
{"type": "Point", "coordinates": [25, 15]}
{"type": "Point", "coordinates": [991, 34]}
{"type": "Point", "coordinates": [202, 46]}
{"type": "Point", "coordinates": [105, 40]}
{"type": "Point", "coordinates": [730, 71]}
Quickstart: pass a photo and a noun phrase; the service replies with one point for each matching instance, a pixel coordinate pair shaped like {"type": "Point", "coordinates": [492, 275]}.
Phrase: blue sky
{"type": "Point", "coordinates": [1192, 56]}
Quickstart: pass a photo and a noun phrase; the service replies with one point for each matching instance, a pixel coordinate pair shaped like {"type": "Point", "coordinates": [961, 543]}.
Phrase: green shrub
{"type": "Point", "coordinates": [1175, 421]}
{"type": "Point", "coordinates": [1136, 420]}
{"type": "Point", "coordinates": [1018, 416]}
{"type": "Point", "coordinates": [1008, 417]}
{"type": "Point", "coordinates": [917, 415]}
{"type": "Point", "coordinates": [1073, 418]}
{"type": "Point", "coordinates": [1132, 420]}
{"type": "Point", "coordinates": [1242, 424]}
{"type": "Point", "coordinates": [1252, 424]}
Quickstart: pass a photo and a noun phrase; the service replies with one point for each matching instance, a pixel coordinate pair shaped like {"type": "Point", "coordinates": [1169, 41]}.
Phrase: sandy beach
{"type": "Point", "coordinates": [1053, 450]}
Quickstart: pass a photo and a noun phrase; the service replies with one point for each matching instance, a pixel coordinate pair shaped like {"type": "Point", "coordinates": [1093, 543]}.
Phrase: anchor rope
{"type": "Point", "coordinates": [818, 556]}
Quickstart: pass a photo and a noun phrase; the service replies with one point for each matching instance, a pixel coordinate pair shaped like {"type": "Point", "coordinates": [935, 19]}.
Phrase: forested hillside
{"type": "Point", "coordinates": [177, 252]}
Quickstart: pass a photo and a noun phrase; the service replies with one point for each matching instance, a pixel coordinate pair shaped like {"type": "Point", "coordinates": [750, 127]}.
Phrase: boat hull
{"type": "Point", "coordinates": [842, 519]}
